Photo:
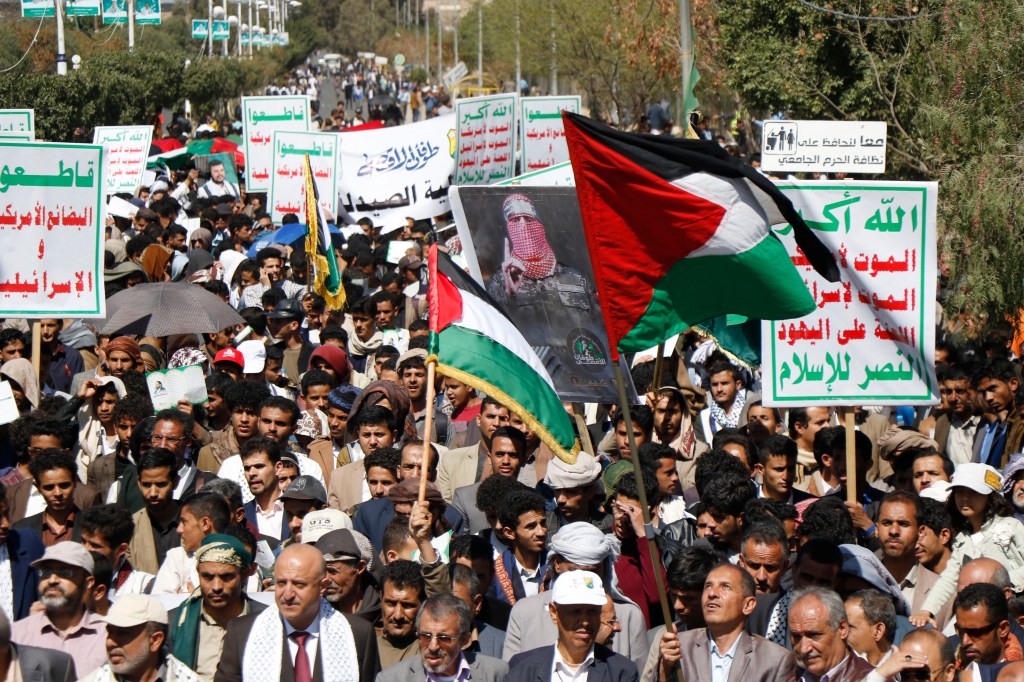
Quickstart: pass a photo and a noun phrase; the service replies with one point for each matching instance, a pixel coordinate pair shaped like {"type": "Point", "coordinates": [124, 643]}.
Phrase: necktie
{"type": "Point", "coordinates": [303, 671]}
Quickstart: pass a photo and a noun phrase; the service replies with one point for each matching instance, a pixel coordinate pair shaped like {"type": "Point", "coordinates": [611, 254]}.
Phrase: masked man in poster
{"type": "Point", "coordinates": [532, 283]}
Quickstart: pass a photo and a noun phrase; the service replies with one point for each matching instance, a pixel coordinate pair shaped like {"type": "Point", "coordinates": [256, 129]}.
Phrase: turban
{"type": "Point", "coordinates": [125, 345]}
{"type": "Point", "coordinates": [223, 549]}
{"type": "Point", "coordinates": [862, 563]}
{"type": "Point", "coordinates": [585, 471]}
{"type": "Point", "coordinates": [896, 441]}
{"type": "Point", "coordinates": [584, 544]}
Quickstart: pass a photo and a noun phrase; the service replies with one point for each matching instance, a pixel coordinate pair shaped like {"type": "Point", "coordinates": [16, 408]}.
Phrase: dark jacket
{"type": "Point", "coordinates": [24, 547]}
{"type": "Point", "coordinates": [536, 665]}
{"type": "Point", "coordinates": [44, 665]}
{"type": "Point", "coordinates": [34, 523]}
{"type": "Point", "coordinates": [250, 516]}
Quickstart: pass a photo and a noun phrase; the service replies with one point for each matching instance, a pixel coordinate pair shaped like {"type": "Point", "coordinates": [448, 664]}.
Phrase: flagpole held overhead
{"type": "Point", "coordinates": [428, 427]}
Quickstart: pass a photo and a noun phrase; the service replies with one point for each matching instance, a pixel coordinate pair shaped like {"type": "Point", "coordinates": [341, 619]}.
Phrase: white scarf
{"type": "Point", "coordinates": [176, 672]}
{"type": "Point", "coordinates": [261, 661]}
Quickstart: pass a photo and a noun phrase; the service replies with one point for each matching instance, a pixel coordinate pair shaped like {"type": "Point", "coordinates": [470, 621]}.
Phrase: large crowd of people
{"type": "Point", "coordinates": [275, 530]}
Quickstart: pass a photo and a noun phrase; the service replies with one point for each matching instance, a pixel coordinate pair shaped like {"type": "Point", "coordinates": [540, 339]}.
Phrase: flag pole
{"type": "Point", "coordinates": [659, 581]}
{"type": "Point", "coordinates": [658, 360]}
{"type": "Point", "coordinates": [851, 456]}
{"type": "Point", "coordinates": [428, 428]}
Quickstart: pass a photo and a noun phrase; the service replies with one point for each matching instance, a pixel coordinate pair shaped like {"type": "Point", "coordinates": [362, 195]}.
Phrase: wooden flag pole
{"type": "Point", "coordinates": [581, 426]}
{"type": "Point", "coordinates": [851, 456]}
{"type": "Point", "coordinates": [37, 349]}
{"type": "Point", "coordinates": [658, 368]}
{"type": "Point", "coordinates": [428, 428]}
{"type": "Point", "coordinates": [659, 580]}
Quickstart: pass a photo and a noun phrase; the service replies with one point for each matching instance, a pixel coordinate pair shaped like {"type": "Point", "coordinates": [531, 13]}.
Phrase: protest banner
{"type": "Point", "coordinates": [35, 9]}
{"type": "Point", "coordinates": [553, 176]}
{"type": "Point", "coordinates": [147, 12]}
{"type": "Point", "coordinates": [871, 340]}
{"type": "Point", "coordinates": [288, 183]}
{"type": "Point", "coordinates": [261, 116]}
{"type": "Point", "coordinates": [115, 11]}
{"type": "Point", "coordinates": [523, 245]}
{"type": "Point", "coordinates": [485, 149]}
{"type": "Point", "coordinates": [18, 124]}
{"type": "Point", "coordinates": [388, 174]}
{"type": "Point", "coordinates": [127, 151]}
{"type": "Point", "coordinates": [83, 8]}
{"type": "Point", "coordinates": [823, 146]}
{"type": "Point", "coordinates": [543, 135]}
{"type": "Point", "coordinates": [53, 222]}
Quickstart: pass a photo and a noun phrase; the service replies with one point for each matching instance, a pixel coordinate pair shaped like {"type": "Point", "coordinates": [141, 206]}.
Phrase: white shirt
{"type": "Point", "coordinates": [184, 474]}
{"type": "Point", "coordinates": [531, 579]}
{"type": "Point", "coordinates": [6, 583]}
{"type": "Point", "coordinates": [311, 641]}
{"type": "Point", "coordinates": [232, 470]}
{"type": "Point", "coordinates": [562, 671]}
{"type": "Point", "coordinates": [721, 663]}
{"type": "Point", "coordinates": [960, 441]}
{"type": "Point", "coordinates": [270, 522]}
{"type": "Point", "coordinates": [36, 503]}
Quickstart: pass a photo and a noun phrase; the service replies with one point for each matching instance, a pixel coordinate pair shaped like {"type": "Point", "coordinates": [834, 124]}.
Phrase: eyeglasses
{"type": "Point", "coordinates": [65, 572]}
{"type": "Point", "coordinates": [613, 623]}
{"type": "Point", "coordinates": [426, 637]}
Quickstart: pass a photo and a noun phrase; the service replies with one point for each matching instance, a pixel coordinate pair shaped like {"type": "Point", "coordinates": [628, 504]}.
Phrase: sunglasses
{"type": "Point", "coordinates": [426, 637]}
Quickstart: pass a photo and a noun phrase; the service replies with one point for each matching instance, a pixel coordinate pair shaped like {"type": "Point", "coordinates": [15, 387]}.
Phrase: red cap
{"type": "Point", "coordinates": [230, 355]}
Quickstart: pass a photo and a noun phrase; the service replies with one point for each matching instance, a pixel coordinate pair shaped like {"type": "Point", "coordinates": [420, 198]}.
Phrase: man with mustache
{"type": "Point", "coordinates": [443, 627]}
{"type": "Point", "coordinates": [818, 630]}
{"type": "Point", "coordinates": [65, 576]}
{"type": "Point", "coordinates": [982, 622]}
{"type": "Point", "coordinates": [136, 644]}
{"type": "Point", "coordinates": [402, 595]}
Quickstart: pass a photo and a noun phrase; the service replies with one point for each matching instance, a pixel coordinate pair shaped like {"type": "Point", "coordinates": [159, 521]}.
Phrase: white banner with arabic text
{"type": "Point", "coordinates": [288, 184]}
{"type": "Point", "coordinates": [127, 152]}
{"type": "Point", "coordinates": [261, 116]}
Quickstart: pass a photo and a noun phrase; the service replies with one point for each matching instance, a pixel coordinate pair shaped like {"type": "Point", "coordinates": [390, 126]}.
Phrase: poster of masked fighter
{"type": "Point", "coordinates": [525, 245]}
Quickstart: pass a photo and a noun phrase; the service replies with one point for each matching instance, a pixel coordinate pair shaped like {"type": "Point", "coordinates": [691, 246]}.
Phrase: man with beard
{"type": "Point", "coordinates": [198, 626]}
{"type": "Point", "coordinates": [65, 577]}
{"type": "Point", "coordinates": [402, 594]}
{"type": "Point", "coordinates": [728, 408]}
{"type": "Point", "coordinates": [577, 600]}
{"type": "Point", "coordinates": [136, 644]}
{"type": "Point", "coordinates": [443, 627]}
{"type": "Point", "coordinates": [350, 588]}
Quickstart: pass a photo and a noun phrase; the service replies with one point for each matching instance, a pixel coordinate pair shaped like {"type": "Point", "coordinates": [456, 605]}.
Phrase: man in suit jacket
{"type": "Point", "coordinates": [18, 496]}
{"type": "Point", "coordinates": [577, 599]}
{"type": "Point", "coordinates": [465, 466]}
{"type": "Point", "coordinates": [444, 615]}
{"type": "Point", "coordinates": [346, 486]}
{"type": "Point", "coordinates": [728, 599]}
{"type": "Point", "coordinates": [818, 630]}
{"type": "Point", "coordinates": [299, 574]}
{"type": "Point", "coordinates": [507, 455]}
{"type": "Point", "coordinates": [22, 547]}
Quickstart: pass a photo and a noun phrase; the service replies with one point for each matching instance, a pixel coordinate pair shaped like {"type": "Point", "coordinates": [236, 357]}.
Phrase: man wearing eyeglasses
{"type": "Point", "coordinates": [443, 627]}
{"type": "Point", "coordinates": [173, 431]}
{"type": "Point", "coordinates": [65, 573]}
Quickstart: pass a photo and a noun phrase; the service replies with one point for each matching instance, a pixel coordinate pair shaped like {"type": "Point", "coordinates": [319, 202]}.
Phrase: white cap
{"type": "Point", "coordinates": [938, 491]}
{"type": "Point", "coordinates": [135, 609]}
{"type": "Point", "coordinates": [578, 587]}
{"type": "Point", "coordinates": [255, 354]}
{"type": "Point", "coordinates": [981, 478]}
{"type": "Point", "coordinates": [320, 522]}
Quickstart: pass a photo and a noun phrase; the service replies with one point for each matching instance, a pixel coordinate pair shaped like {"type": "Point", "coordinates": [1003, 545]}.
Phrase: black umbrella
{"type": "Point", "coordinates": [167, 308]}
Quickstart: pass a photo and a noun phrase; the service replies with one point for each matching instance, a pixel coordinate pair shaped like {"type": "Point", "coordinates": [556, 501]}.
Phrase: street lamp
{"type": "Point", "coordinates": [76, 61]}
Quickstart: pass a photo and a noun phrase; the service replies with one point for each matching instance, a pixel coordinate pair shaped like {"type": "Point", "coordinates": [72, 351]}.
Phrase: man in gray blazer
{"type": "Point", "coordinates": [729, 598]}
{"type": "Point", "coordinates": [36, 664]}
{"type": "Point", "coordinates": [443, 627]}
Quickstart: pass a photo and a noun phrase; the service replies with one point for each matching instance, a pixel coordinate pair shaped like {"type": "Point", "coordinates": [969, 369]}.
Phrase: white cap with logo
{"type": "Point", "coordinates": [578, 587]}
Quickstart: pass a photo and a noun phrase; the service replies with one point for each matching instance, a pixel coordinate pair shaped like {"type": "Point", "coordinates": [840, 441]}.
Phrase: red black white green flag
{"type": "Point", "coordinates": [679, 232]}
{"type": "Point", "coordinates": [475, 342]}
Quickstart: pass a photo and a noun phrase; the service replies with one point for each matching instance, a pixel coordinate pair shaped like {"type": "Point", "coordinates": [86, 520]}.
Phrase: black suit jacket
{"type": "Point", "coordinates": [250, 516]}
{"type": "Point", "coordinates": [24, 547]}
{"type": "Point", "coordinates": [230, 667]}
{"type": "Point", "coordinates": [44, 665]}
{"type": "Point", "coordinates": [536, 665]}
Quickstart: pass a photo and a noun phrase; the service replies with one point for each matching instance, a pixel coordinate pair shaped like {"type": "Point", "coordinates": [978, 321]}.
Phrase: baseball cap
{"type": "Point", "coordinates": [69, 553]}
{"type": "Point", "coordinates": [305, 488]}
{"type": "Point", "coordinates": [338, 545]}
{"type": "Point", "coordinates": [321, 522]}
{"type": "Point", "coordinates": [981, 478]}
{"type": "Point", "coordinates": [230, 355]}
{"type": "Point", "coordinates": [254, 356]}
{"type": "Point", "coordinates": [288, 308]}
{"type": "Point", "coordinates": [578, 587]}
{"type": "Point", "coordinates": [135, 609]}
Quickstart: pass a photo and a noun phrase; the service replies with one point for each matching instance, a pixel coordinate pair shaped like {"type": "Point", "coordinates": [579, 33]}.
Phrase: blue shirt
{"type": "Point", "coordinates": [721, 663]}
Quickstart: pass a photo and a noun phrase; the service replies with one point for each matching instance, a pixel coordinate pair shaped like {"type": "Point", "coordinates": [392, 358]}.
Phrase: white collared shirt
{"type": "Point", "coordinates": [270, 522]}
{"type": "Point", "coordinates": [960, 441]}
{"type": "Point", "coordinates": [531, 579]}
{"type": "Point", "coordinates": [721, 663]}
{"type": "Point", "coordinates": [563, 671]}
{"type": "Point", "coordinates": [184, 473]}
{"type": "Point", "coordinates": [311, 641]}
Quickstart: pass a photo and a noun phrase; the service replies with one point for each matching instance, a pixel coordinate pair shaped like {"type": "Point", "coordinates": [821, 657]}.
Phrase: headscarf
{"type": "Point", "coordinates": [335, 357]}
{"type": "Point", "coordinates": [118, 248]}
{"type": "Point", "coordinates": [179, 262]}
{"type": "Point", "coordinates": [78, 336]}
{"type": "Point", "coordinates": [198, 260]}
{"type": "Point", "coordinates": [561, 475]}
{"type": "Point", "coordinates": [583, 543]}
{"type": "Point", "coordinates": [154, 261]}
{"type": "Point", "coordinates": [529, 241]}
{"type": "Point", "coordinates": [216, 548]}
{"type": "Point", "coordinates": [203, 235]}
{"type": "Point", "coordinates": [125, 345]}
{"type": "Point", "coordinates": [379, 391]}
{"type": "Point", "coordinates": [896, 441]}
{"type": "Point", "coordinates": [20, 372]}
{"type": "Point", "coordinates": [230, 260]}
{"type": "Point", "coordinates": [1013, 467]}
{"type": "Point", "coordinates": [184, 357]}
{"type": "Point", "coordinates": [862, 563]}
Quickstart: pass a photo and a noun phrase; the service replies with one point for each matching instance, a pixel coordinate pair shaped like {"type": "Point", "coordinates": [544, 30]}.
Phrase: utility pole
{"type": "Point", "coordinates": [554, 51]}
{"type": "Point", "coordinates": [131, 25]}
{"type": "Point", "coordinates": [252, 33]}
{"type": "Point", "coordinates": [440, 36]}
{"type": "Point", "coordinates": [209, 28]}
{"type": "Point", "coordinates": [426, 49]}
{"type": "Point", "coordinates": [224, 45]}
{"type": "Point", "coordinates": [62, 59]}
{"type": "Point", "coordinates": [480, 43]}
{"type": "Point", "coordinates": [455, 32]}
{"type": "Point", "coordinates": [519, 66]}
{"type": "Point", "coordinates": [686, 43]}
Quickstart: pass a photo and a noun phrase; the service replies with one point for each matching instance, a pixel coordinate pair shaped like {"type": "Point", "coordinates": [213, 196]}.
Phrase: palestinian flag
{"type": "Point", "coordinates": [326, 277]}
{"type": "Point", "coordinates": [678, 232]}
{"type": "Point", "coordinates": [475, 343]}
